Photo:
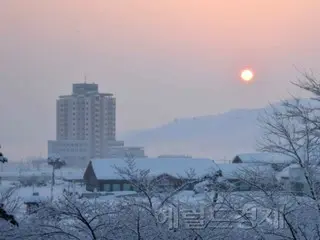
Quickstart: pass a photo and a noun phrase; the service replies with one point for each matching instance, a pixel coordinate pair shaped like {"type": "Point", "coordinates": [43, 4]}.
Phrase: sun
{"type": "Point", "coordinates": [246, 75]}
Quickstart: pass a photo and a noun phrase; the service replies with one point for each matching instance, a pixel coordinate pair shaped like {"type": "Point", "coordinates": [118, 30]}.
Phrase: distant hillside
{"type": "Point", "coordinates": [218, 136]}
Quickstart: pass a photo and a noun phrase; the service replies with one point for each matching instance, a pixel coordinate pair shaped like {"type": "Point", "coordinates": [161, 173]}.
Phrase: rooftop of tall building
{"type": "Point", "coordinates": [83, 88]}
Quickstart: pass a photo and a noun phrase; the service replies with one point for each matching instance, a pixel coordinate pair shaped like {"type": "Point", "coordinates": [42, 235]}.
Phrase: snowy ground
{"type": "Point", "coordinates": [24, 193]}
{"type": "Point", "coordinates": [21, 194]}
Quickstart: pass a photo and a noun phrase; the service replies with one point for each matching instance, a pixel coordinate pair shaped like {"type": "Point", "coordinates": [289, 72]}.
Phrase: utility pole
{"type": "Point", "coordinates": [57, 163]}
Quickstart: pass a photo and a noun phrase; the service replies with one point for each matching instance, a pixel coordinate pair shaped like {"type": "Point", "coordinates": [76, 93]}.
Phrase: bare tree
{"type": "Point", "coordinates": [5, 196]}
{"type": "Point", "coordinates": [3, 160]}
{"type": "Point", "coordinates": [293, 130]}
{"type": "Point", "coordinates": [147, 185]}
{"type": "Point", "coordinates": [146, 213]}
{"type": "Point", "coordinates": [72, 218]}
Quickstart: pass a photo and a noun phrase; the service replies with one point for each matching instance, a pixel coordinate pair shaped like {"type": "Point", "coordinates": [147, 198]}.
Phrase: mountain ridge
{"type": "Point", "coordinates": [219, 136]}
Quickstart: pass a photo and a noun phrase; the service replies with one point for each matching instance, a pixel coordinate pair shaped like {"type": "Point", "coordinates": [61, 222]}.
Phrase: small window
{"type": "Point", "coordinates": [107, 187]}
{"type": "Point", "coordinates": [127, 187]}
{"type": "Point", "coordinates": [116, 187]}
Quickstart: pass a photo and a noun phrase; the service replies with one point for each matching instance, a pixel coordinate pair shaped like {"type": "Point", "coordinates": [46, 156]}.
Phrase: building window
{"type": "Point", "coordinates": [107, 187]}
{"type": "Point", "coordinates": [127, 187]}
{"type": "Point", "coordinates": [116, 187]}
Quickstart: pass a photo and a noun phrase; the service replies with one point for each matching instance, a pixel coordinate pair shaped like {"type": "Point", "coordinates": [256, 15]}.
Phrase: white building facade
{"type": "Point", "coordinates": [85, 124]}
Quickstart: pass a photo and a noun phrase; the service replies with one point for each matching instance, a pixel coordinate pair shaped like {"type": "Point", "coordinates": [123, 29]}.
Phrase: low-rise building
{"type": "Point", "coordinates": [276, 160]}
{"type": "Point", "coordinates": [242, 176]}
{"type": "Point", "coordinates": [122, 152]}
{"type": "Point", "coordinates": [75, 152]}
{"type": "Point", "coordinates": [101, 174]}
{"type": "Point", "coordinates": [293, 179]}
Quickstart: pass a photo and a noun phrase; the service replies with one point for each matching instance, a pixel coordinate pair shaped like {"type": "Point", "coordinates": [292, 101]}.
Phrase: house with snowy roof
{"type": "Point", "coordinates": [287, 172]}
{"type": "Point", "coordinates": [276, 160]}
{"type": "Point", "coordinates": [293, 178]}
{"type": "Point", "coordinates": [102, 175]}
{"type": "Point", "coordinates": [239, 175]}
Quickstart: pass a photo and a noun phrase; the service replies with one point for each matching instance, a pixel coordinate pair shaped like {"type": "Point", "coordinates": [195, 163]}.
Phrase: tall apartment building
{"type": "Point", "coordinates": [85, 125]}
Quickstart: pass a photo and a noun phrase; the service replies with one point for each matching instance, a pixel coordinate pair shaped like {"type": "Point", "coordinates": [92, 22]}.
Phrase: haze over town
{"type": "Point", "coordinates": [159, 119]}
{"type": "Point", "coordinates": [162, 59]}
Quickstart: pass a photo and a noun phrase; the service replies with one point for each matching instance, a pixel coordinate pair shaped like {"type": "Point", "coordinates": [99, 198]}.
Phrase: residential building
{"type": "Point", "coordinates": [276, 160]}
{"type": "Point", "coordinates": [85, 125]}
{"type": "Point", "coordinates": [290, 176]}
{"type": "Point", "coordinates": [238, 175]}
{"type": "Point", "coordinates": [101, 174]}
{"type": "Point", "coordinates": [293, 179]}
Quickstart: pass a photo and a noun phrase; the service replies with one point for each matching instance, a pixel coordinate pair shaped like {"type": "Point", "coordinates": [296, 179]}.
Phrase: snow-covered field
{"type": "Point", "coordinates": [13, 171]}
{"type": "Point", "coordinates": [22, 194]}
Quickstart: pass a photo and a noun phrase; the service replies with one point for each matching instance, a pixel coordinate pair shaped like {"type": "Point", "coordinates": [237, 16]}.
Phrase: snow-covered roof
{"type": "Point", "coordinates": [285, 173]}
{"type": "Point", "coordinates": [104, 168]}
{"type": "Point", "coordinates": [234, 171]}
{"type": "Point", "coordinates": [295, 171]}
{"type": "Point", "coordinates": [263, 157]}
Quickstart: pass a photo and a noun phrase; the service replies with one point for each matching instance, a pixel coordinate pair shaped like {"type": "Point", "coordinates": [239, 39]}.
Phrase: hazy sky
{"type": "Point", "coordinates": [163, 59]}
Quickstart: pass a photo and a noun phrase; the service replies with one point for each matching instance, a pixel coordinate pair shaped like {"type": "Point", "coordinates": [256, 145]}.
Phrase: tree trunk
{"type": "Point", "coordinates": [52, 183]}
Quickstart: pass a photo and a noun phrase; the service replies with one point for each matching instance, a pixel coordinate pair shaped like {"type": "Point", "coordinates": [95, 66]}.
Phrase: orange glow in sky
{"type": "Point", "coordinates": [168, 57]}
